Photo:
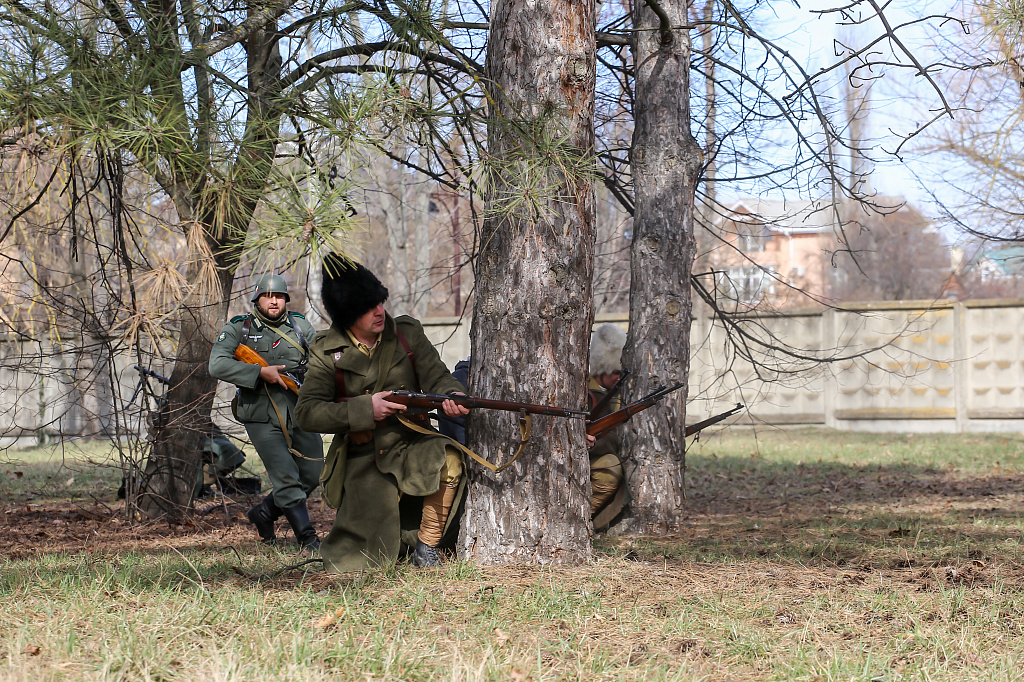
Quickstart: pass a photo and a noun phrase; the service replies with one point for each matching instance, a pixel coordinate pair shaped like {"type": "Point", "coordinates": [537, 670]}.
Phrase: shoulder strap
{"type": "Point", "coordinates": [246, 328]}
{"type": "Point", "coordinates": [408, 354]}
{"type": "Point", "coordinates": [302, 349]}
{"type": "Point", "coordinates": [299, 335]}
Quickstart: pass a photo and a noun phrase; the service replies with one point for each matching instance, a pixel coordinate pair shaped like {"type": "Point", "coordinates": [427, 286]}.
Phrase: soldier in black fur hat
{"type": "Point", "coordinates": [391, 484]}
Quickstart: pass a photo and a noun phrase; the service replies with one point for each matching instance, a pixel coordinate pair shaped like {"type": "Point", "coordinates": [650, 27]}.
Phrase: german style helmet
{"type": "Point", "coordinates": [271, 284]}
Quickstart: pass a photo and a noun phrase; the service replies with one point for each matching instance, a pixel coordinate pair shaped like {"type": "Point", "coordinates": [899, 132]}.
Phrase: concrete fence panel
{"type": "Point", "coordinates": [914, 367]}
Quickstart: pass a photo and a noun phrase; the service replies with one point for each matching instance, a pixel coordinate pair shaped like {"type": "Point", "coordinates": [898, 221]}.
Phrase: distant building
{"type": "Point", "coordinates": [986, 270]}
{"type": "Point", "coordinates": [797, 253]}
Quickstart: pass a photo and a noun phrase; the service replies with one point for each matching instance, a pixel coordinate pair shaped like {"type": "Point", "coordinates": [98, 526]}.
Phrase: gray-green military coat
{"type": "Point", "coordinates": [366, 482]}
{"type": "Point", "coordinates": [253, 404]}
{"type": "Point", "coordinates": [293, 478]}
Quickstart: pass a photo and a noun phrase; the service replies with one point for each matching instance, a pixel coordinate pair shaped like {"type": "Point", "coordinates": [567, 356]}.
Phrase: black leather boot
{"type": "Point", "coordinates": [425, 556]}
{"type": "Point", "coordinates": [263, 516]}
{"type": "Point", "coordinates": [298, 517]}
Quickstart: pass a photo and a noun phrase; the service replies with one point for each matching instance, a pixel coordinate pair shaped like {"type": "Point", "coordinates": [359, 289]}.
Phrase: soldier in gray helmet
{"type": "Point", "coordinates": [265, 405]}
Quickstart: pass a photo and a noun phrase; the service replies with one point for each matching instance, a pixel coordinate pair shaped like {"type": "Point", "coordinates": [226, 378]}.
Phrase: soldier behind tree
{"type": "Point", "coordinates": [390, 484]}
{"type": "Point", "coordinates": [293, 458]}
{"type": "Point", "coordinates": [605, 368]}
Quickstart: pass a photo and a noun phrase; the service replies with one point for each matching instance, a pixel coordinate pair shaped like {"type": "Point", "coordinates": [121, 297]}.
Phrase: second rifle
{"type": "Point", "coordinates": [430, 401]}
{"type": "Point", "coordinates": [248, 355]}
{"type": "Point", "coordinates": [598, 427]}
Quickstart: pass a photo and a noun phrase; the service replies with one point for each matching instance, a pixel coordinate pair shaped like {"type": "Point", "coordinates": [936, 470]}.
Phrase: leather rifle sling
{"type": "Point", "coordinates": [284, 428]}
{"type": "Point", "coordinates": [525, 426]}
{"type": "Point", "coordinates": [525, 423]}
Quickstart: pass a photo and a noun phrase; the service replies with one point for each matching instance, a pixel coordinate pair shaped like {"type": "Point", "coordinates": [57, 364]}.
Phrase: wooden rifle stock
{"type": "Point", "coordinates": [603, 403]}
{"type": "Point", "coordinates": [597, 427]}
{"type": "Point", "coordinates": [432, 401]}
{"type": "Point", "coordinates": [248, 355]}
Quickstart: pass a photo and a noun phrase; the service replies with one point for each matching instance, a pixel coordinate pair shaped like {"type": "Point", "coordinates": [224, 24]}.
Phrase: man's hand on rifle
{"type": "Point", "coordinates": [382, 408]}
{"type": "Point", "coordinates": [591, 441]}
{"type": "Point", "coordinates": [452, 409]}
{"type": "Point", "coordinates": [272, 375]}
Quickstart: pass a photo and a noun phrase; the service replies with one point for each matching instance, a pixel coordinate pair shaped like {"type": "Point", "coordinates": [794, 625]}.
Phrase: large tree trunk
{"type": "Point", "coordinates": [533, 309]}
{"type": "Point", "coordinates": [665, 161]}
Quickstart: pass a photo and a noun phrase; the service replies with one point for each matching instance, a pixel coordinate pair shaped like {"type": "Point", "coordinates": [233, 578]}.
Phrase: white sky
{"type": "Point", "coordinates": [895, 110]}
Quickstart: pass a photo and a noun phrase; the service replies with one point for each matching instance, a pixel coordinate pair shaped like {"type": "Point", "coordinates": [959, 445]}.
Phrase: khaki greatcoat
{"type": "Point", "coordinates": [374, 486]}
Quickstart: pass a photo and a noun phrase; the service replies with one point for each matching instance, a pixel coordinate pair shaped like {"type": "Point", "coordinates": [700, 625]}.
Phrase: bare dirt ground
{"type": "Point", "coordinates": [868, 521]}
{"type": "Point", "coordinates": [102, 526]}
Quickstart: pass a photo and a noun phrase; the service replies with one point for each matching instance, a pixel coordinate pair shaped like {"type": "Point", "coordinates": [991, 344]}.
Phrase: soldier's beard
{"type": "Point", "coordinates": [267, 318]}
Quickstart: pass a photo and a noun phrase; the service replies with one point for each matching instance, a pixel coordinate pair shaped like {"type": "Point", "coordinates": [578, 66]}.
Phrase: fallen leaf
{"type": "Point", "coordinates": [326, 622]}
{"type": "Point", "coordinates": [500, 637]}
{"type": "Point", "coordinates": [32, 650]}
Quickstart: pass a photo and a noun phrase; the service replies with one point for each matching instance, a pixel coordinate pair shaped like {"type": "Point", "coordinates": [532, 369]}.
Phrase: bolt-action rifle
{"type": "Point", "coordinates": [430, 401]}
{"type": "Point", "coordinates": [701, 425]}
{"type": "Point", "coordinates": [247, 354]}
{"type": "Point", "coordinates": [597, 427]}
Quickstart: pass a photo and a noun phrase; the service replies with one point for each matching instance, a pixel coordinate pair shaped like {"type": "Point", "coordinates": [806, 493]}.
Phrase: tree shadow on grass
{"type": "Point", "coordinates": [829, 514]}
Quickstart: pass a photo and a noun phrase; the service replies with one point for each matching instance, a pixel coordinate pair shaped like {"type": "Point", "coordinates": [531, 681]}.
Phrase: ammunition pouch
{"type": "Point", "coordinates": [360, 437]}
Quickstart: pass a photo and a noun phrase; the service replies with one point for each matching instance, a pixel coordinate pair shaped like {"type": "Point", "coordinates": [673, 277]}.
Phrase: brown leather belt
{"type": "Point", "coordinates": [364, 437]}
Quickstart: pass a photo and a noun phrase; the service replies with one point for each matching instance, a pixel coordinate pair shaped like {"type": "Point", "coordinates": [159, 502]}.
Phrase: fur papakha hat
{"type": "Point", "coordinates": [606, 349]}
{"type": "Point", "coordinates": [349, 290]}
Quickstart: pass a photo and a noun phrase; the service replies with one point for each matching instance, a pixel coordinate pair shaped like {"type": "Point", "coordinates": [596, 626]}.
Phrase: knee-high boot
{"type": "Point", "coordinates": [263, 516]}
{"type": "Point", "coordinates": [298, 517]}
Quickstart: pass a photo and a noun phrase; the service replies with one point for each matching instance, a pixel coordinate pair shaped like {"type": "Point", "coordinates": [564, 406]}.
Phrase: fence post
{"type": "Point", "coordinates": [829, 383]}
{"type": "Point", "coordinates": [960, 365]}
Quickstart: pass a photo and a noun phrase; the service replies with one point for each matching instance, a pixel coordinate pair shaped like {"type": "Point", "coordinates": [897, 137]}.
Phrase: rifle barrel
{"type": "Point", "coordinates": [597, 427]}
{"type": "Point", "coordinates": [710, 421]}
{"type": "Point", "coordinates": [435, 400]}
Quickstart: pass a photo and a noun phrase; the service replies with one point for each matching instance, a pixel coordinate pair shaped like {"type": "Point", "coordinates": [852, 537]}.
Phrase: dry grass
{"type": "Point", "coordinates": [812, 556]}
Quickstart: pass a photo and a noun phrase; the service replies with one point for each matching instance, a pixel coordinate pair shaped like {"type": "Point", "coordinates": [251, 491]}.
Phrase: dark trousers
{"type": "Point", "coordinates": [293, 478]}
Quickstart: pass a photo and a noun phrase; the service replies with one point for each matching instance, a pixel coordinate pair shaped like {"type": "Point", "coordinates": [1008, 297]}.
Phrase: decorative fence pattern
{"type": "Point", "coordinates": [915, 367]}
{"type": "Point", "coordinates": [902, 367]}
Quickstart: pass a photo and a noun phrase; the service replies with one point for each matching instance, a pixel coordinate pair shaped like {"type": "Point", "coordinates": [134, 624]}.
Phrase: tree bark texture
{"type": "Point", "coordinates": [665, 160]}
{"type": "Point", "coordinates": [533, 309]}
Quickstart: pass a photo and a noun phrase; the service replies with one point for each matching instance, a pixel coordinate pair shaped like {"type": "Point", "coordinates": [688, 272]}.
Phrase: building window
{"type": "Point", "coordinates": [747, 284]}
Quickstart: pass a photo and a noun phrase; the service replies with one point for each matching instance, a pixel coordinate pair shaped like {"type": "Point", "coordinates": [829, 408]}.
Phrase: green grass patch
{"type": "Point", "coordinates": [808, 555]}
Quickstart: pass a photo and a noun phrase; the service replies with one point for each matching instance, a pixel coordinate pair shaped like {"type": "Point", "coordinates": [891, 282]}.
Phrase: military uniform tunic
{"type": "Point", "coordinates": [605, 466]}
{"type": "Point", "coordinates": [292, 477]}
{"type": "Point", "coordinates": [375, 486]}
